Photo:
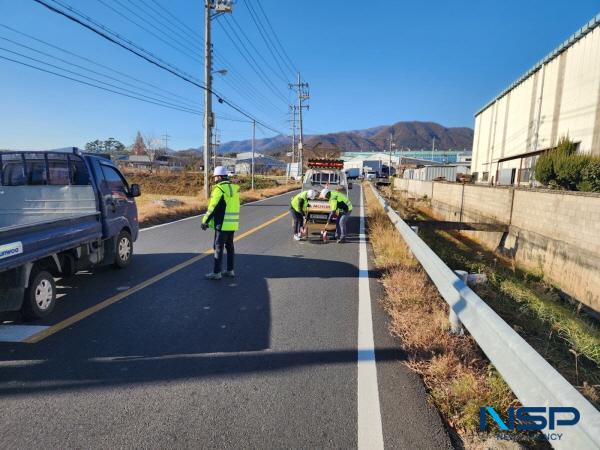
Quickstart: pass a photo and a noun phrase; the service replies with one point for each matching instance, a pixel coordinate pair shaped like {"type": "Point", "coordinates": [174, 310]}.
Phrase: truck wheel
{"type": "Point", "coordinates": [40, 296]}
{"type": "Point", "coordinates": [124, 250]}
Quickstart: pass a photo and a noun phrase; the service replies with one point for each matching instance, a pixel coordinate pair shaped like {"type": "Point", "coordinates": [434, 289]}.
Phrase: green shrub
{"type": "Point", "coordinates": [590, 176]}
{"type": "Point", "coordinates": [544, 169]}
{"type": "Point", "coordinates": [563, 168]}
{"type": "Point", "coordinates": [569, 168]}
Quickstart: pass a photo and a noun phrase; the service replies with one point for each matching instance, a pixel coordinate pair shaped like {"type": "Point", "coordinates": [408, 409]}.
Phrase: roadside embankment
{"type": "Point", "coordinates": [553, 233]}
{"type": "Point", "coordinates": [557, 329]}
{"type": "Point", "coordinates": [456, 373]}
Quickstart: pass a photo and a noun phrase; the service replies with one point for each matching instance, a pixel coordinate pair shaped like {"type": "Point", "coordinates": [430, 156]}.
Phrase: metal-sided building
{"type": "Point", "coordinates": [558, 97]}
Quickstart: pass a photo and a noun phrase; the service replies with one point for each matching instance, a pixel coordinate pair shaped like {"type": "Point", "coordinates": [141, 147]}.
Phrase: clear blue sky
{"type": "Point", "coordinates": [368, 63]}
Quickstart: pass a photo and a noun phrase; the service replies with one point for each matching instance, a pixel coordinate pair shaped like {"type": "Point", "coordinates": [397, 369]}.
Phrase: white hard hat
{"type": "Point", "coordinates": [324, 192]}
{"type": "Point", "coordinates": [311, 194]}
{"type": "Point", "coordinates": [220, 171]}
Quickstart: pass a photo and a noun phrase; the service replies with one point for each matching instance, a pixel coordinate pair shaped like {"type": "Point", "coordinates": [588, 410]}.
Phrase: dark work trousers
{"type": "Point", "coordinates": [223, 241]}
{"type": "Point", "coordinates": [340, 226]}
{"type": "Point", "coordinates": [298, 220]}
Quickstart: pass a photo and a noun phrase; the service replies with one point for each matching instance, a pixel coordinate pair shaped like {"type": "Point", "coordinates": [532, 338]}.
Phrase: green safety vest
{"type": "Point", "coordinates": [223, 210]}
{"type": "Point", "coordinates": [336, 198]}
{"type": "Point", "coordinates": [300, 202]}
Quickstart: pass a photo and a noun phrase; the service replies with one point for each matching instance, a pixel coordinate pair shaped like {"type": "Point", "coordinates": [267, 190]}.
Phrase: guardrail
{"type": "Point", "coordinates": [533, 380]}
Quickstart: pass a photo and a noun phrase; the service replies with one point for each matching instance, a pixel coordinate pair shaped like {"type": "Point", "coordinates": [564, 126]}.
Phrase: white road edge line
{"type": "Point", "coordinates": [370, 430]}
{"type": "Point", "coordinates": [200, 215]}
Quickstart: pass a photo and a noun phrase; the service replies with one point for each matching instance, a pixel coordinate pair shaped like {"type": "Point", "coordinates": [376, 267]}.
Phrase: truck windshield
{"type": "Point", "coordinates": [325, 178]}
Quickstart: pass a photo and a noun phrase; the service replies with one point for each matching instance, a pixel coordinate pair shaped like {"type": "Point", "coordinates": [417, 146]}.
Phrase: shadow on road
{"type": "Point", "coordinates": [57, 375]}
{"type": "Point", "coordinates": [181, 327]}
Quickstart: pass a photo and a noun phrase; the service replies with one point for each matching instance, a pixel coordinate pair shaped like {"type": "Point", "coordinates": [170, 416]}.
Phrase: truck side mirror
{"type": "Point", "coordinates": [134, 190]}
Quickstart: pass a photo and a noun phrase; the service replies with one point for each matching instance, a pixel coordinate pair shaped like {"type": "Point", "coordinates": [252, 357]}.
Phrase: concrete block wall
{"type": "Point", "coordinates": [557, 233]}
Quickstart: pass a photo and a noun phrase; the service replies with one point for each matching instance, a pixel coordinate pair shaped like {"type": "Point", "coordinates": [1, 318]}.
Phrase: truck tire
{"type": "Point", "coordinates": [40, 296]}
{"type": "Point", "coordinates": [124, 250]}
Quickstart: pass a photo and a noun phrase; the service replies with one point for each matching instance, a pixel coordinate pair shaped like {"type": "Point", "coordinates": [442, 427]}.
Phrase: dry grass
{"type": "Point", "coordinates": [456, 373]}
{"type": "Point", "coordinates": [558, 330]}
{"type": "Point", "coordinates": [150, 213]}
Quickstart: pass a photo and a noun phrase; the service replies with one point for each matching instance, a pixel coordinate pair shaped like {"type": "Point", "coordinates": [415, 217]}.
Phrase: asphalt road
{"type": "Point", "coordinates": [266, 360]}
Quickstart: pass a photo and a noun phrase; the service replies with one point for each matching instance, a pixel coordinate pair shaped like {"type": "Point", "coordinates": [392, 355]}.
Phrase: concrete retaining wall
{"type": "Point", "coordinates": [555, 232]}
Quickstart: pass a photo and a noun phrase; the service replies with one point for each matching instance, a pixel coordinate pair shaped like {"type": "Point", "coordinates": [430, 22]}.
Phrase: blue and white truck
{"type": "Point", "coordinates": [61, 211]}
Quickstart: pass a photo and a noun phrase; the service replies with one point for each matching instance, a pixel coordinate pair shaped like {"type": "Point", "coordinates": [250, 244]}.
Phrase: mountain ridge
{"type": "Point", "coordinates": [415, 135]}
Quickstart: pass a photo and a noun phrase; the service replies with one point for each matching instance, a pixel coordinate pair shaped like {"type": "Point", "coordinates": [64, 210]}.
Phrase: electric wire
{"type": "Point", "coordinates": [262, 33]}
{"type": "Point", "coordinates": [83, 58]}
{"type": "Point", "coordinates": [291, 63]}
{"type": "Point", "coordinates": [253, 64]}
{"type": "Point", "coordinates": [129, 19]}
{"type": "Point", "coordinates": [116, 39]}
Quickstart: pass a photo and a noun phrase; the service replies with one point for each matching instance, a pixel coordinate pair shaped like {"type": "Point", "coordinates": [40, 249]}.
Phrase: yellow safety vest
{"type": "Point", "coordinates": [223, 212]}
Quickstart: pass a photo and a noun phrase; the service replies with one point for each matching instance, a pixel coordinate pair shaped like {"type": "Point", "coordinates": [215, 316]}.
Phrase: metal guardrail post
{"type": "Point", "coordinates": [533, 380]}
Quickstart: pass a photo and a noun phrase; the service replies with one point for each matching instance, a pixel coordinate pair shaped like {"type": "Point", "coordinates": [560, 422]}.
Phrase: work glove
{"type": "Point", "coordinates": [204, 226]}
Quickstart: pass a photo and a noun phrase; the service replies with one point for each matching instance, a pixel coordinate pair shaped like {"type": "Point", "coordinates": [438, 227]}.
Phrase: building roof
{"type": "Point", "coordinates": [575, 37]}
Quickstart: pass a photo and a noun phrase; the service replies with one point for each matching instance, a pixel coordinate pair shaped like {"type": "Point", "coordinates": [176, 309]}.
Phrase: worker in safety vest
{"type": "Point", "coordinates": [299, 208]}
{"type": "Point", "coordinates": [340, 206]}
{"type": "Point", "coordinates": [223, 215]}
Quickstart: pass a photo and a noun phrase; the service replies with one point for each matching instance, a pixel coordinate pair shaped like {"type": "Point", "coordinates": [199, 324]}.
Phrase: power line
{"type": "Point", "coordinates": [96, 86]}
{"type": "Point", "coordinates": [180, 36]}
{"type": "Point", "coordinates": [140, 52]}
{"type": "Point", "coordinates": [172, 28]}
{"type": "Point", "coordinates": [192, 32]}
{"type": "Point", "coordinates": [263, 34]}
{"type": "Point", "coordinates": [84, 68]}
{"type": "Point", "coordinates": [97, 80]}
{"type": "Point", "coordinates": [83, 58]}
{"type": "Point", "coordinates": [253, 64]}
{"type": "Point", "coordinates": [183, 52]}
{"type": "Point", "coordinates": [292, 66]}
{"type": "Point", "coordinates": [126, 92]}
{"type": "Point", "coordinates": [241, 30]}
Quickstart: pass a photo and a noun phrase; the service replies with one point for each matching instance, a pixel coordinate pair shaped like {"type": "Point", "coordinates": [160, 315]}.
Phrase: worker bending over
{"type": "Point", "coordinates": [223, 215]}
{"type": "Point", "coordinates": [299, 208]}
{"type": "Point", "coordinates": [342, 207]}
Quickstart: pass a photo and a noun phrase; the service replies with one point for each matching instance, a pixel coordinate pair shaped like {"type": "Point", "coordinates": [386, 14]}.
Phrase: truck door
{"type": "Point", "coordinates": [119, 205]}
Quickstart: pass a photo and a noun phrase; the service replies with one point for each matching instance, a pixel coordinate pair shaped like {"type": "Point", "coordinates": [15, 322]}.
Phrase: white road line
{"type": "Point", "coordinates": [18, 333]}
{"type": "Point", "coordinates": [370, 432]}
{"type": "Point", "coordinates": [200, 215]}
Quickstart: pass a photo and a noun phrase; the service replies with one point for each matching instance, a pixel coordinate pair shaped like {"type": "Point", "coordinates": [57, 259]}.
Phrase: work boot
{"type": "Point", "coordinates": [228, 274]}
{"type": "Point", "coordinates": [212, 276]}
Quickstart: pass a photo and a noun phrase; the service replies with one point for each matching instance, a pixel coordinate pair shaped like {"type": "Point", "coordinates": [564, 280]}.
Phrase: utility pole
{"type": "Point", "coordinates": [432, 148]}
{"type": "Point", "coordinates": [253, 139]}
{"type": "Point", "coordinates": [220, 7]}
{"type": "Point", "coordinates": [166, 138]}
{"type": "Point", "coordinates": [208, 115]}
{"type": "Point", "coordinates": [215, 146]}
{"type": "Point", "coordinates": [293, 134]}
{"type": "Point", "coordinates": [390, 164]}
{"type": "Point", "coordinates": [303, 94]}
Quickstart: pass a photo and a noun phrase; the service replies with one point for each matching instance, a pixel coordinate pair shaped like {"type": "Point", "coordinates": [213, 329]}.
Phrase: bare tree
{"type": "Point", "coordinates": [154, 148]}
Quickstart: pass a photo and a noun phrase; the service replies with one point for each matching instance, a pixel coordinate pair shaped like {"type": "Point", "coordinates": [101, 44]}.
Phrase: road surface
{"type": "Point", "coordinates": [155, 356]}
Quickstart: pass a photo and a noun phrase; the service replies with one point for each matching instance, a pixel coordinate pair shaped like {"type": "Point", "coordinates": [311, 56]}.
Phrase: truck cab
{"type": "Point", "coordinates": [324, 173]}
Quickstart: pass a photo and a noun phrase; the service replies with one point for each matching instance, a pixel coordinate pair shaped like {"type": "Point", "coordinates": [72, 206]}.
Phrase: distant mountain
{"type": "Point", "coordinates": [413, 135]}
